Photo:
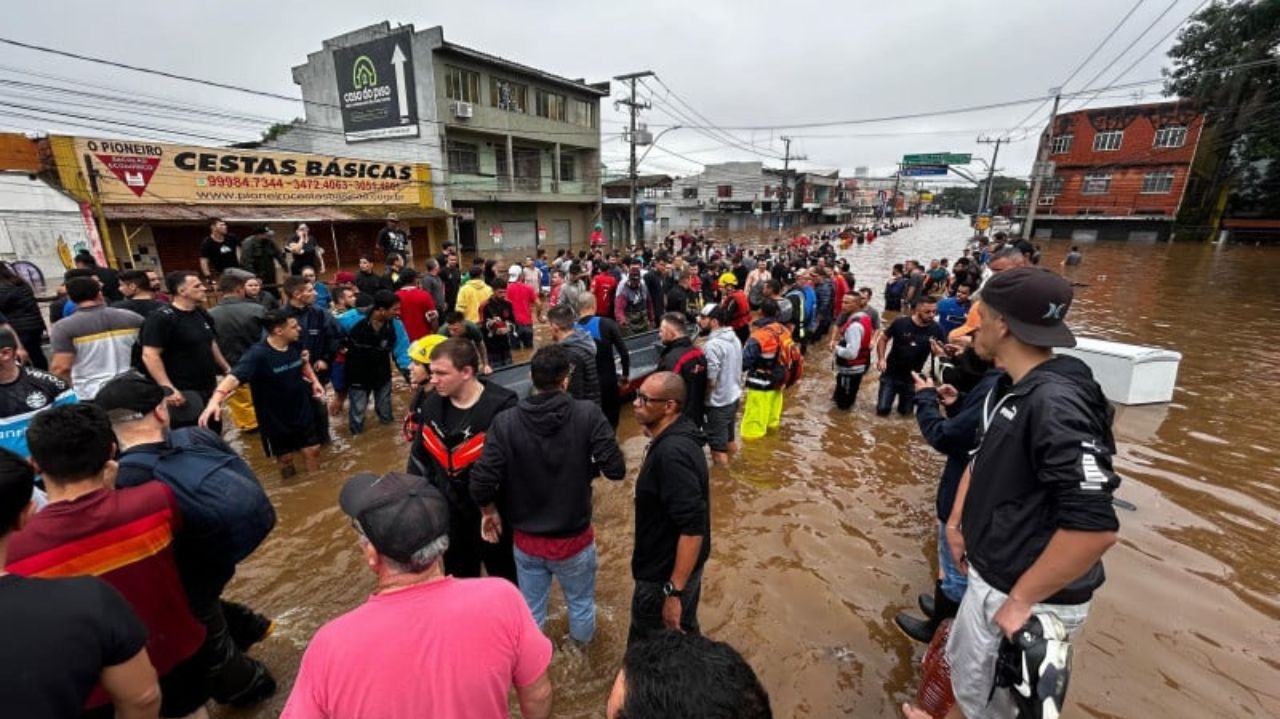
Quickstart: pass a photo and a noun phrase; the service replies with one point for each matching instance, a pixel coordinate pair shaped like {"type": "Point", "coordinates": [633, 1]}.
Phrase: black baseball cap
{"type": "Point", "coordinates": [399, 513]}
{"type": "Point", "coordinates": [130, 396]}
{"type": "Point", "coordinates": [1034, 302]}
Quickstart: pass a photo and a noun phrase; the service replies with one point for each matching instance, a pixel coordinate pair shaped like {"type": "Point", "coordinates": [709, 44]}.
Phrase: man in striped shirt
{"type": "Point", "coordinates": [94, 344]}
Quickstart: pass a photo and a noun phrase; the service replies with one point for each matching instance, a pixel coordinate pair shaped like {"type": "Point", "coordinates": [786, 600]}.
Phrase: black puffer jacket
{"type": "Point", "coordinates": [543, 455]}
{"type": "Point", "coordinates": [18, 304]}
{"type": "Point", "coordinates": [1044, 464]}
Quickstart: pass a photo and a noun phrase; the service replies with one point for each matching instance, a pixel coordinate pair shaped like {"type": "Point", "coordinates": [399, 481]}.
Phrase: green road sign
{"type": "Point", "coordinates": [937, 158]}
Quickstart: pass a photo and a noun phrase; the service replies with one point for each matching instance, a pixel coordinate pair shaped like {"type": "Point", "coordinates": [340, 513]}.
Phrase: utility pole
{"type": "Point", "coordinates": [984, 200]}
{"type": "Point", "coordinates": [634, 108]}
{"type": "Point", "coordinates": [1041, 169]}
{"type": "Point", "coordinates": [893, 201]}
{"type": "Point", "coordinates": [786, 171]}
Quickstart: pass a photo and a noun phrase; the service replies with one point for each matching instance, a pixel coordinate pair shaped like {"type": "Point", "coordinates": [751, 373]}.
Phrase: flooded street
{"type": "Point", "coordinates": [822, 533]}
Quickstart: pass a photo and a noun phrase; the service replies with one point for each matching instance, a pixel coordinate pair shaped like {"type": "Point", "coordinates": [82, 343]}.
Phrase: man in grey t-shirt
{"type": "Point", "coordinates": [94, 344]}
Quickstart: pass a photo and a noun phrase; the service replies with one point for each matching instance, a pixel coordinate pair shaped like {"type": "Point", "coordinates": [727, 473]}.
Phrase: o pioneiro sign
{"type": "Point", "coordinates": [156, 173]}
{"type": "Point", "coordinates": [376, 88]}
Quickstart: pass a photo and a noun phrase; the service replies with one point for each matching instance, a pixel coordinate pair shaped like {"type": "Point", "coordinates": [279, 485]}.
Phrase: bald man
{"type": "Point", "coordinates": [673, 518]}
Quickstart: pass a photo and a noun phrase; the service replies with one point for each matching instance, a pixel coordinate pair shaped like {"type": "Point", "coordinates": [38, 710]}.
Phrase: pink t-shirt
{"type": "Point", "coordinates": [449, 648]}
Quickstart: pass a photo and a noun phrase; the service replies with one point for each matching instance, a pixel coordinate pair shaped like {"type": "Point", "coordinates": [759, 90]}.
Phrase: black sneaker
{"type": "Point", "coordinates": [260, 689]}
{"type": "Point", "coordinates": [920, 630]}
{"type": "Point", "coordinates": [925, 602]}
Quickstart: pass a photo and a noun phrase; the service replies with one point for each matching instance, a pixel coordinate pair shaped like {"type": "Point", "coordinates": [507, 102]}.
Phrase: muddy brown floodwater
{"type": "Point", "coordinates": [824, 531]}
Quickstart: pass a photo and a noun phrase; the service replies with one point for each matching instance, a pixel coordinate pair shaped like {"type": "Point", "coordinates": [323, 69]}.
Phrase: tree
{"type": "Point", "coordinates": [1225, 61]}
{"type": "Point", "coordinates": [965, 197]}
{"type": "Point", "coordinates": [276, 130]}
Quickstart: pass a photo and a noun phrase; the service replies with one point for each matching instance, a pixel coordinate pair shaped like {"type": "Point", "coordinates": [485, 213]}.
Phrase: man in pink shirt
{"type": "Point", "coordinates": [425, 644]}
{"type": "Point", "coordinates": [524, 300]}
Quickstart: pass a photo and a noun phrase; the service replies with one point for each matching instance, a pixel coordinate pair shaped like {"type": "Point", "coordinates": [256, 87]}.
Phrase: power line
{"type": "Point", "coordinates": [1133, 43]}
{"type": "Point", "coordinates": [1097, 48]}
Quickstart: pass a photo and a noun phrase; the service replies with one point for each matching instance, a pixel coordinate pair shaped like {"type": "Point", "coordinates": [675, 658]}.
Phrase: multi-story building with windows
{"type": "Point", "coordinates": [514, 150]}
{"type": "Point", "coordinates": [1118, 172]}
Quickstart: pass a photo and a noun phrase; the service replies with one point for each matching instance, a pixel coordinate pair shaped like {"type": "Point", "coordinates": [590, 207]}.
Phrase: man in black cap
{"type": "Point", "coordinates": [471, 640]}
{"type": "Point", "coordinates": [225, 516]}
{"type": "Point", "coordinates": [1033, 515]}
{"type": "Point", "coordinates": [393, 241]}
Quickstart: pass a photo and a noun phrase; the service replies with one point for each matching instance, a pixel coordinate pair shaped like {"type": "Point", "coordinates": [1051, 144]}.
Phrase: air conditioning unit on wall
{"type": "Point", "coordinates": [1046, 201]}
{"type": "Point", "coordinates": [463, 110]}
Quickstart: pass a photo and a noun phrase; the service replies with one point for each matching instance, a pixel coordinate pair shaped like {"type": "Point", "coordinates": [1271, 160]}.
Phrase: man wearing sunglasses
{"type": "Point", "coordinates": [673, 519]}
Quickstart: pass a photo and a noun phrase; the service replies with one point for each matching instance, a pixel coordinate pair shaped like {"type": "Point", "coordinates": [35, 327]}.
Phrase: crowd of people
{"type": "Point", "coordinates": [115, 466]}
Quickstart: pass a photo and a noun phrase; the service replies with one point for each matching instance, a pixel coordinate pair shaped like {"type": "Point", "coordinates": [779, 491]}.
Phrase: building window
{"type": "Point", "coordinates": [1062, 143]}
{"type": "Point", "coordinates": [1156, 183]}
{"type": "Point", "coordinates": [1171, 136]}
{"type": "Point", "coordinates": [1104, 141]}
{"type": "Point", "coordinates": [550, 105]}
{"type": "Point", "coordinates": [461, 84]}
{"type": "Point", "coordinates": [464, 158]}
{"type": "Point", "coordinates": [507, 95]}
{"type": "Point", "coordinates": [1096, 183]}
{"type": "Point", "coordinates": [1052, 187]}
{"type": "Point", "coordinates": [724, 192]}
{"type": "Point", "coordinates": [689, 193]}
{"type": "Point", "coordinates": [581, 113]}
{"type": "Point", "coordinates": [568, 169]}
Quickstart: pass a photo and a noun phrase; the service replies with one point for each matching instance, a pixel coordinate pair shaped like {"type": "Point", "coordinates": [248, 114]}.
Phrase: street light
{"type": "Point", "coordinates": [635, 171]}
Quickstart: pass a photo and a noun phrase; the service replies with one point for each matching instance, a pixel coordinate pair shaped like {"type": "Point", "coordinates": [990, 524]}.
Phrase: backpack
{"type": "Point", "coordinates": [781, 362]}
{"type": "Point", "coordinates": [218, 494]}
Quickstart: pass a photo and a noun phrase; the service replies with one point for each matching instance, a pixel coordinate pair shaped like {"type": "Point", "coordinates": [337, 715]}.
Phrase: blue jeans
{"type": "Point", "coordinates": [904, 390]}
{"type": "Point", "coordinates": [522, 337]}
{"type": "Point", "coordinates": [359, 403]}
{"type": "Point", "coordinates": [954, 581]}
{"type": "Point", "coordinates": [577, 576]}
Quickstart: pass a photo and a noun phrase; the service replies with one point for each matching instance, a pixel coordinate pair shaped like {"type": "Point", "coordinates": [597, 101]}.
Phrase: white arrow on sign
{"type": "Point", "coordinates": [402, 89]}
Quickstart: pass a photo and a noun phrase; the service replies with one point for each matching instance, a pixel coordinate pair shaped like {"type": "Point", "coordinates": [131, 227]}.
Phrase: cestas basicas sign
{"type": "Point", "coordinates": [376, 88]}
{"type": "Point", "coordinates": [156, 173]}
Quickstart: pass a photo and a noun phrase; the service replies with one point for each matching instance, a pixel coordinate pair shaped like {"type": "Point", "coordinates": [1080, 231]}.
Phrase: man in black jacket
{"type": "Point", "coordinates": [584, 380]}
{"type": "Point", "coordinates": [680, 356]}
{"type": "Point", "coordinates": [1033, 514]}
{"type": "Point", "coordinates": [673, 517]}
{"type": "Point", "coordinates": [548, 494]}
{"type": "Point", "coordinates": [455, 421]}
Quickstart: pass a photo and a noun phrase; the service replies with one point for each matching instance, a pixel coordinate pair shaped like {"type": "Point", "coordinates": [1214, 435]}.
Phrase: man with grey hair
{"type": "Point", "coordinates": [469, 640]}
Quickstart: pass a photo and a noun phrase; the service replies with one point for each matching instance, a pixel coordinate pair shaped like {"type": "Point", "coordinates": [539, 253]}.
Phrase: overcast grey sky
{"type": "Point", "coordinates": [739, 64]}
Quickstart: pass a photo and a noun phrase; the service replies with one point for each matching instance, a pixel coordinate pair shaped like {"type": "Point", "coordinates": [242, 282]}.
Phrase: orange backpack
{"type": "Point", "coordinates": [781, 363]}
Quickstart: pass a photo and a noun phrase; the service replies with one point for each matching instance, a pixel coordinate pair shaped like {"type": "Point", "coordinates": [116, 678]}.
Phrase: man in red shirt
{"type": "Point", "coordinates": [464, 642]}
{"type": "Point", "coordinates": [418, 309]}
{"type": "Point", "coordinates": [123, 536]}
{"type": "Point", "coordinates": [524, 300]}
{"type": "Point", "coordinates": [603, 286]}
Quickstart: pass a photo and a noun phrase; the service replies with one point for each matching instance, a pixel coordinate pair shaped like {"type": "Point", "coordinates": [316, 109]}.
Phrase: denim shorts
{"type": "Point", "coordinates": [719, 425]}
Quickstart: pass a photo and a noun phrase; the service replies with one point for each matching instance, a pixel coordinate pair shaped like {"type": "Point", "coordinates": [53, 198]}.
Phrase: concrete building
{"type": "Point", "coordinates": [820, 198]}
{"type": "Point", "coordinates": [515, 150]}
{"type": "Point", "coordinates": [655, 208]}
{"type": "Point", "coordinates": [731, 196]}
{"type": "Point", "coordinates": [41, 229]}
{"type": "Point", "coordinates": [1119, 172]}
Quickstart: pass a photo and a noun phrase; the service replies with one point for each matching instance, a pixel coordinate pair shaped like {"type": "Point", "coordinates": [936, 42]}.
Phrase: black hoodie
{"type": "Point", "coordinates": [543, 456]}
{"type": "Point", "coordinates": [1044, 464]}
{"type": "Point", "coordinates": [673, 497]}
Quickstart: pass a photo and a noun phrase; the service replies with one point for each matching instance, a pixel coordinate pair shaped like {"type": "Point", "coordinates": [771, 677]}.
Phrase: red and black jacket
{"type": "Point", "coordinates": [448, 440]}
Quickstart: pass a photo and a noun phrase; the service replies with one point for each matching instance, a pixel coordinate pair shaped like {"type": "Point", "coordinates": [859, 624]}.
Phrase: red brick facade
{"type": "Point", "coordinates": [1121, 161]}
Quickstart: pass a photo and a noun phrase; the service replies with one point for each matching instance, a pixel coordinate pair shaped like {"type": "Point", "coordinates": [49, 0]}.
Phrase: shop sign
{"type": "Point", "coordinates": [376, 88]}
{"type": "Point", "coordinates": [158, 173]}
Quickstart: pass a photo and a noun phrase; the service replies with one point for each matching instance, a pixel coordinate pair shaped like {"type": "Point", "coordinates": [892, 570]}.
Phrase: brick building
{"type": "Point", "coordinates": [1119, 172]}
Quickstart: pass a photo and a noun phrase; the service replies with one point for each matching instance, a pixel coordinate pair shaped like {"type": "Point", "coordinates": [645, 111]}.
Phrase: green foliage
{"type": "Point", "coordinates": [965, 198]}
{"type": "Point", "coordinates": [1226, 60]}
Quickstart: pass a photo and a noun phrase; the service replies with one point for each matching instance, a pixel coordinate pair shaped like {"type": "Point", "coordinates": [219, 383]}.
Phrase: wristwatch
{"type": "Point", "coordinates": [669, 590]}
